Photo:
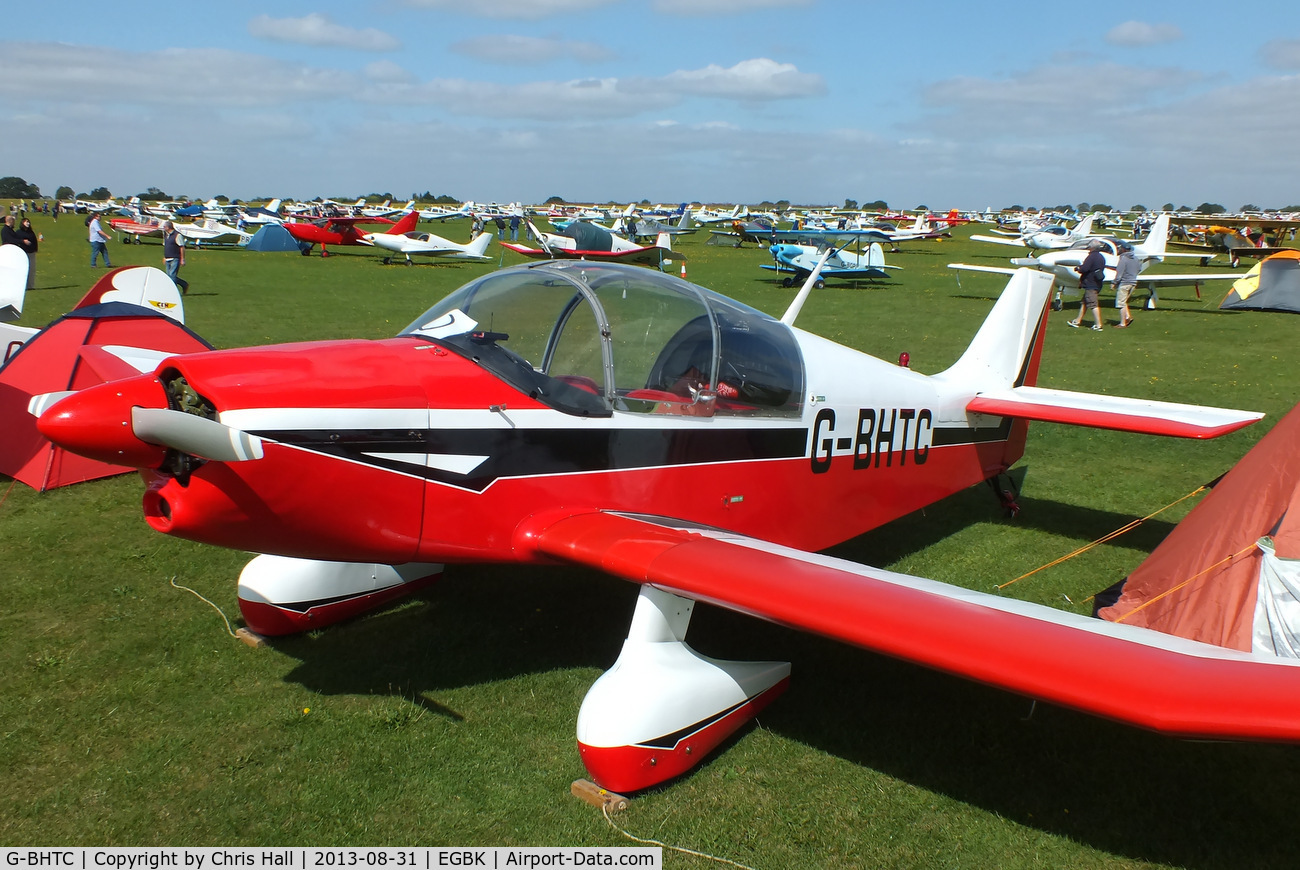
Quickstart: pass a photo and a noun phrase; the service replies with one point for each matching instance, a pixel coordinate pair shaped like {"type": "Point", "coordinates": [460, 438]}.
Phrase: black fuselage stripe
{"type": "Point", "coordinates": [533, 452]}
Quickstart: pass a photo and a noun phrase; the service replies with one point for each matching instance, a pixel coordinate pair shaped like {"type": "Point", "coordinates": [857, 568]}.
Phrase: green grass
{"type": "Point", "coordinates": [129, 717]}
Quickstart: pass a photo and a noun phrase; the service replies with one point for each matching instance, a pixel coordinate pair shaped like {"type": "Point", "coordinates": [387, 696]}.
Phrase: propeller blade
{"type": "Point", "coordinates": [197, 436]}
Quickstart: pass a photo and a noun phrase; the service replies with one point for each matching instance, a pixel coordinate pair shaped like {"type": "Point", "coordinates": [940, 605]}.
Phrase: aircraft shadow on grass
{"type": "Point", "coordinates": [1114, 788]}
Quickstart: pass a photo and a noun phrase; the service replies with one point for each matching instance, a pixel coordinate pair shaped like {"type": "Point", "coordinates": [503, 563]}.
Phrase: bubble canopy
{"type": "Point", "coordinates": [594, 338]}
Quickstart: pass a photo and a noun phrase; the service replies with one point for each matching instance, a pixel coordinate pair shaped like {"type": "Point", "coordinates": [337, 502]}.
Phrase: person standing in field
{"type": "Point", "coordinates": [1126, 276]}
{"type": "Point", "coordinates": [98, 239]}
{"type": "Point", "coordinates": [30, 242]}
{"type": "Point", "coordinates": [8, 233]}
{"type": "Point", "coordinates": [1092, 274]}
{"type": "Point", "coordinates": [174, 255]}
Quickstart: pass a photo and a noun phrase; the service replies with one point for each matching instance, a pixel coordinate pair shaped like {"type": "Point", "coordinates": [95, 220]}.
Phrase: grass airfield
{"type": "Point", "coordinates": [128, 716]}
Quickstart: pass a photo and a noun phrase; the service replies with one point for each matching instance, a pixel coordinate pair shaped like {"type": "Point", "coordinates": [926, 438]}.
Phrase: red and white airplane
{"type": "Point", "coordinates": [580, 240]}
{"type": "Point", "coordinates": [343, 230]}
{"type": "Point", "coordinates": [599, 414]}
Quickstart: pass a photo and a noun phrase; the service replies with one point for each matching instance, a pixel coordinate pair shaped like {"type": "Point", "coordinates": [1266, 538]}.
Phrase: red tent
{"type": "Point", "coordinates": [1229, 573]}
{"type": "Point", "coordinates": [88, 346]}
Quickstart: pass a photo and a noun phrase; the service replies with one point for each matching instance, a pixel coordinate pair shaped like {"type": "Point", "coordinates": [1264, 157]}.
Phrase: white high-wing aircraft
{"type": "Point", "coordinates": [423, 244]}
{"type": "Point", "coordinates": [268, 214]}
{"type": "Point", "coordinates": [1062, 264]}
{"type": "Point", "coordinates": [710, 216]}
{"type": "Point", "coordinates": [434, 213]}
{"type": "Point", "coordinates": [212, 232]}
{"type": "Point", "coordinates": [1049, 238]}
{"type": "Point", "coordinates": [387, 209]}
{"type": "Point", "coordinates": [622, 224]}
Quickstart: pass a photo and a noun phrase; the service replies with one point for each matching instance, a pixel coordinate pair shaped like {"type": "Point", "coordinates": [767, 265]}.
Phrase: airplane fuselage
{"type": "Point", "coordinates": [401, 450]}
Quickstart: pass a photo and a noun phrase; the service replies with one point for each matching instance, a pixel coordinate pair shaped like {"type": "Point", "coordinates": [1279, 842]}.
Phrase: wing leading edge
{"type": "Point", "coordinates": [1125, 673]}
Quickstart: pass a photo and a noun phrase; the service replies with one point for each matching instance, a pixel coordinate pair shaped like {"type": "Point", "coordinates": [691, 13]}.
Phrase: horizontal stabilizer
{"type": "Point", "coordinates": [1111, 412]}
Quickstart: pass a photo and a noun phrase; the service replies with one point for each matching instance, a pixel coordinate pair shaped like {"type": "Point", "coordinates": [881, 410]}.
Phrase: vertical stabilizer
{"type": "Point", "coordinates": [1005, 351]}
{"type": "Point", "coordinates": [407, 223]}
{"type": "Point", "coordinates": [1154, 244]}
{"type": "Point", "coordinates": [875, 256]}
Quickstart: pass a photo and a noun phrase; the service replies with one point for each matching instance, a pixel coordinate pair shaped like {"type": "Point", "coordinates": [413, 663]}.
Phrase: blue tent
{"type": "Point", "coordinates": [273, 237]}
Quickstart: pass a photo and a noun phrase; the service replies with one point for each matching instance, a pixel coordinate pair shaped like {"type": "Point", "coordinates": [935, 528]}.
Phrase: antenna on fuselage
{"type": "Point", "coordinates": [793, 311]}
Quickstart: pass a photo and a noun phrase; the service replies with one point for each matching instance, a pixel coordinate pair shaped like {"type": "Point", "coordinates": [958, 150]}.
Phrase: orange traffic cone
{"type": "Point", "coordinates": [683, 270]}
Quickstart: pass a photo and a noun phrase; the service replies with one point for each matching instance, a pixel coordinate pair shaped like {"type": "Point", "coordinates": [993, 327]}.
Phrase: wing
{"type": "Point", "coordinates": [999, 240]}
{"type": "Point", "coordinates": [534, 253]}
{"type": "Point", "coordinates": [1122, 672]}
{"type": "Point", "coordinates": [352, 221]}
{"type": "Point", "coordinates": [1112, 412]}
{"type": "Point", "coordinates": [967, 267]}
{"type": "Point", "coordinates": [1147, 279]}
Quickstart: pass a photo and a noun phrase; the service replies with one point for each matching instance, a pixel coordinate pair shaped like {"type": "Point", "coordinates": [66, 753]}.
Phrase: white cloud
{"type": "Point", "coordinates": [530, 50]}
{"type": "Point", "coordinates": [523, 10]}
{"type": "Point", "coordinates": [701, 8]}
{"type": "Point", "coordinates": [212, 77]}
{"type": "Point", "coordinates": [1136, 33]}
{"type": "Point", "coordinates": [385, 71]}
{"type": "Point", "coordinates": [573, 100]}
{"type": "Point", "coordinates": [1281, 53]}
{"type": "Point", "coordinates": [318, 30]}
{"type": "Point", "coordinates": [756, 79]}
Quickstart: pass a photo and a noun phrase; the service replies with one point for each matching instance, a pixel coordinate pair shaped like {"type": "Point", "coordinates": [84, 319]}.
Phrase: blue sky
{"type": "Point", "coordinates": [942, 104]}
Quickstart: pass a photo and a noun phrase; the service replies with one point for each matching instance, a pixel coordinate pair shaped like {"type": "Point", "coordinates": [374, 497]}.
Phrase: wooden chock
{"type": "Point", "coordinates": [256, 641]}
{"type": "Point", "coordinates": [588, 791]}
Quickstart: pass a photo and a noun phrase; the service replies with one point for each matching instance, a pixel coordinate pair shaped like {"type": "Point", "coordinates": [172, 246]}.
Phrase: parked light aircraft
{"type": "Point", "coordinates": [1238, 237]}
{"type": "Point", "coordinates": [434, 213]}
{"type": "Point", "coordinates": [648, 228]}
{"type": "Point", "coordinates": [1044, 238]}
{"type": "Point", "coordinates": [619, 227]}
{"type": "Point", "coordinates": [585, 241]}
{"type": "Point", "coordinates": [135, 228]}
{"type": "Point", "coordinates": [421, 244]}
{"type": "Point", "coordinates": [343, 230]}
{"type": "Point", "coordinates": [387, 209]}
{"type": "Point", "coordinates": [596, 414]}
{"type": "Point", "coordinates": [268, 214]}
{"type": "Point", "coordinates": [799, 261]}
{"type": "Point", "coordinates": [712, 216]}
{"type": "Point", "coordinates": [212, 232]}
{"type": "Point", "coordinates": [1062, 264]}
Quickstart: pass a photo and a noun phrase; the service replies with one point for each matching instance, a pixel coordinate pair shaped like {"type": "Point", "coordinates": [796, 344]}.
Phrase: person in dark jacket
{"type": "Point", "coordinates": [8, 233]}
{"type": "Point", "coordinates": [30, 242]}
{"type": "Point", "coordinates": [1092, 274]}
{"type": "Point", "coordinates": [174, 255]}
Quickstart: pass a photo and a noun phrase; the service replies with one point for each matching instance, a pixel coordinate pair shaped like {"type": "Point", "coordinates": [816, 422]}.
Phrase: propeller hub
{"type": "Point", "coordinates": [96, 422]}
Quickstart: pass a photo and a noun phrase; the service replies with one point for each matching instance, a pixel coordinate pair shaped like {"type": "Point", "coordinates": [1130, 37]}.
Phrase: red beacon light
{"type": "Point", "coordinates": [904, 359]}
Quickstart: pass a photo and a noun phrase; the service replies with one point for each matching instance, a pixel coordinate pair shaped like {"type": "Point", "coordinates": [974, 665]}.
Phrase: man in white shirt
{"type": "Point", "coordinates": [97, 242]}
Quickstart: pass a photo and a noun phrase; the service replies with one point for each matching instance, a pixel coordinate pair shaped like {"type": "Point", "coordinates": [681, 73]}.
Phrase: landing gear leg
{"type": "Point", "coordinates": [1004, 487]}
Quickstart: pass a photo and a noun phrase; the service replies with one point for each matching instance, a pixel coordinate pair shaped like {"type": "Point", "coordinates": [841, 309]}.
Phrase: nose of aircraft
{"type": "Point", "coordinates": [96, 422]}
